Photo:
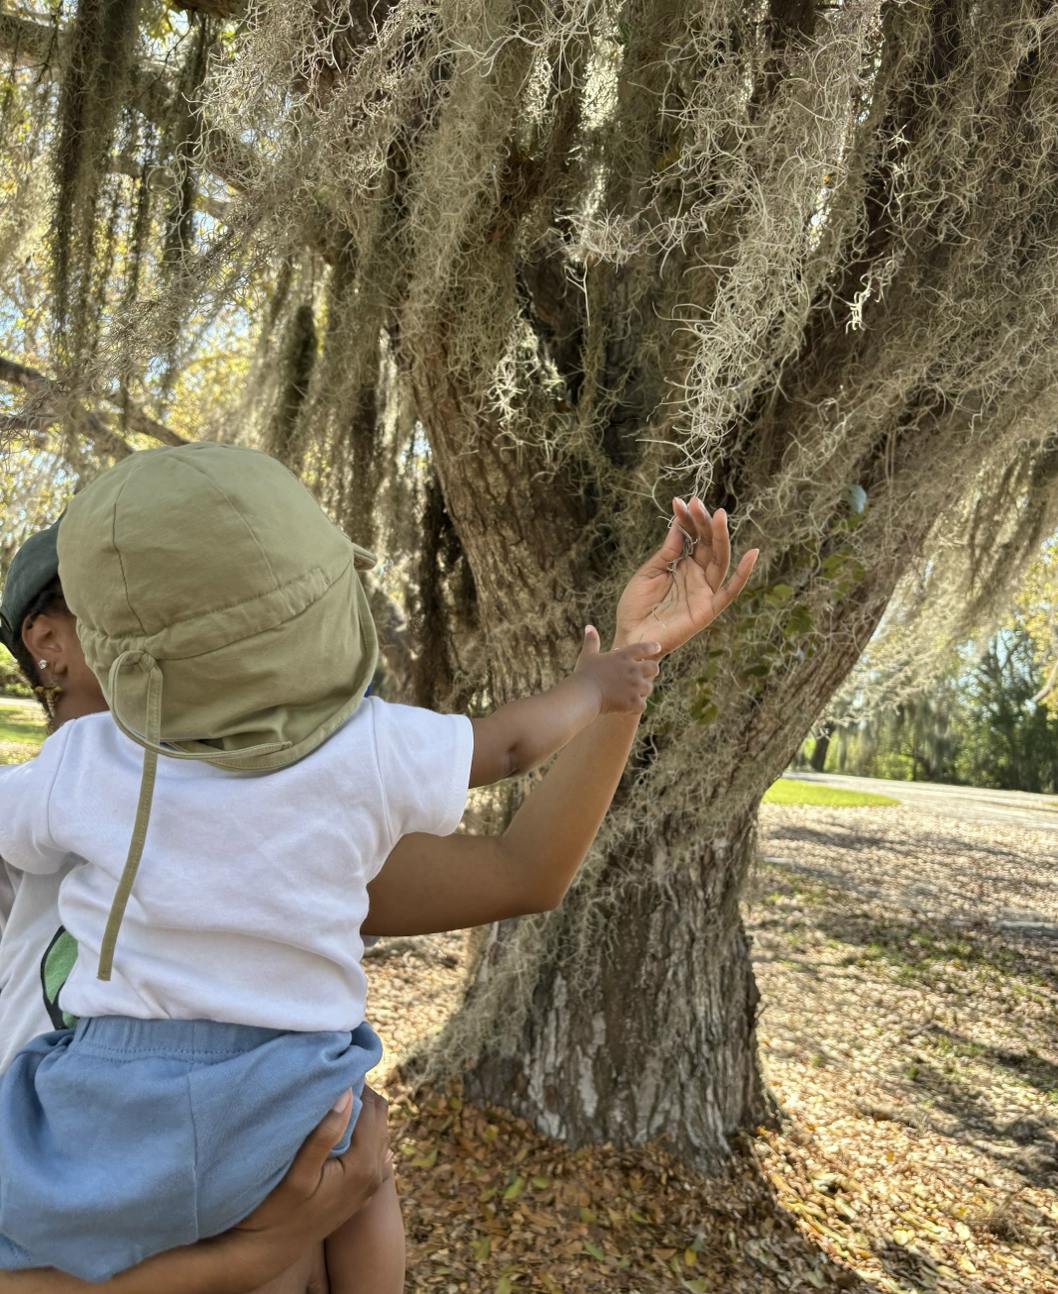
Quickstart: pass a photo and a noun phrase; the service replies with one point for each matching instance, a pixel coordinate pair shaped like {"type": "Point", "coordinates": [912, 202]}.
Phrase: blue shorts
{"type": "Point", "coordinates": [121, 1138]}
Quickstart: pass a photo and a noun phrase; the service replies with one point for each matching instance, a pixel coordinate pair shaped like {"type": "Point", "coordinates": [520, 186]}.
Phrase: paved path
{"type": "Point", "coordinates": [968, 803]}
{"type": "Point", "coordinates": [19, 700]}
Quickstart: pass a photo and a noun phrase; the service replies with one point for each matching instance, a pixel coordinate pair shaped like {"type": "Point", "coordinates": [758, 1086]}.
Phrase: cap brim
{"type": "Point", "coordinates": [32, 569]}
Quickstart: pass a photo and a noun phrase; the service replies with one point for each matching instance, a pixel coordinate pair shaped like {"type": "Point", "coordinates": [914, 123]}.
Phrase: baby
{"type": "Point", "coordinates": [224, 617]}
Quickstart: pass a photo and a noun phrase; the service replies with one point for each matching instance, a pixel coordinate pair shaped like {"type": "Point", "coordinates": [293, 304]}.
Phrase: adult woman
{"type": "Point", "coordinates": [427, 883]}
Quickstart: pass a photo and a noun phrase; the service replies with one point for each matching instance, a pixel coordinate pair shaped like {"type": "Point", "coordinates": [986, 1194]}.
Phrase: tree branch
{"type": "Point", "coordinates": [39, 45]}
{"type": "Point", "coordinates": [126, 164]}
{"type": "Point", "coordinates": [50, 402]}
{"type": "Point", "coordinates": [213, 8]}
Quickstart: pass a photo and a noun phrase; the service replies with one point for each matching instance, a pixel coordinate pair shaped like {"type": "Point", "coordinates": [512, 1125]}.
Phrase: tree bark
{"type": "Point", "coordinates": [660, 1043]}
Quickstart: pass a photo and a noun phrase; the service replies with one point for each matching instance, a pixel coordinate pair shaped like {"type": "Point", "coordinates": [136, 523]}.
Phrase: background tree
{"type": "Point", "coordinates": [918, 740]}
{"type": "Point", "coordinates": [565, 260]}
{"type": "Point", "coordinates": [985, 724]}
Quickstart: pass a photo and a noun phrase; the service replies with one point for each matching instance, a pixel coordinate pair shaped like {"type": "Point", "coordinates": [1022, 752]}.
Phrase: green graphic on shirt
{"type": "Point", "coordinates": [55, 968]}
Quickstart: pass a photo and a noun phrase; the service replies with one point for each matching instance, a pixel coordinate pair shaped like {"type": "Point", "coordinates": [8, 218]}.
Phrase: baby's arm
{"type": "Point", "coordinates": [519, 736]}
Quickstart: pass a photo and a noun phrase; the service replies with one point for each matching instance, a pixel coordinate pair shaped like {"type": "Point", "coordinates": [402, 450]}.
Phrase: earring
{"type": "Point", "coordinates": [42, 664]}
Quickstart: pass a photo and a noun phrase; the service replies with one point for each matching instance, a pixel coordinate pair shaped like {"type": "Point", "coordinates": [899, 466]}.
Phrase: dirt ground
{"type": "Point", "coordinates": [908, 962]}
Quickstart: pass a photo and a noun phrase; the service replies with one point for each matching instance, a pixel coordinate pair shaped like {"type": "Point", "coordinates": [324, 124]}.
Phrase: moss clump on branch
{"type": "Point", "coordinates": [299, 359]}
{"type": "Point", "coordinates": [100, 52]}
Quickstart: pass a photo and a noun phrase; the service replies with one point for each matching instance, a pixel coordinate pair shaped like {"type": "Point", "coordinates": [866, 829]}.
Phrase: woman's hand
{"type": "Point", "coordinates": [680, 590]}
{"type": "Point", "coordinates": [317, 1195]}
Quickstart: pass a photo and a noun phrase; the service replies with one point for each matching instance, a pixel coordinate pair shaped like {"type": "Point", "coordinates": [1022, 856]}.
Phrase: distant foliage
{"type": "Point", "coordinates": [979, 727]}
{"type": "Point", "coordinates": [11, 681]}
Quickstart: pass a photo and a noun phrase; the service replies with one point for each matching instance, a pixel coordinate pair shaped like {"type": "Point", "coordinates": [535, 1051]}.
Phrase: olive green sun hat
{"type": "Point", "coordinates": [221, 611]}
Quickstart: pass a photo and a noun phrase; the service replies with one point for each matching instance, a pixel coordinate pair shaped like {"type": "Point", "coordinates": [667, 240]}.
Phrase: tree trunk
{"type": "Point", "coordinates": [819, 751]}
{"type": "Point", "coordinates": [658, 1041]}
{"type": "Point", "coordinates": [628, 1014]}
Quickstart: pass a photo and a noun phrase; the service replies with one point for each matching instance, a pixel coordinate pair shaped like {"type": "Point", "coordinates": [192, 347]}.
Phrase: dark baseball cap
{"type": "Point", "coordinates": [32, 569]}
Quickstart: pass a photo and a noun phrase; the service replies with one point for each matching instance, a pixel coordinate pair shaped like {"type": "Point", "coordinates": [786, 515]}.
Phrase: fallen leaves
{"type": "Point", "coordinates": [898, 1169]}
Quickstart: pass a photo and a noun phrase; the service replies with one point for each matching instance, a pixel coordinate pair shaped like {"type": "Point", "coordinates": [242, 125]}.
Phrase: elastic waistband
{"type": "Point", "coordinates": [176, 1038]}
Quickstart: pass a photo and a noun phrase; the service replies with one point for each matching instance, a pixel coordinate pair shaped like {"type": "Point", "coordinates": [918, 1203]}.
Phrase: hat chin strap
{"type": "Point", "coordinates": [152, 745]}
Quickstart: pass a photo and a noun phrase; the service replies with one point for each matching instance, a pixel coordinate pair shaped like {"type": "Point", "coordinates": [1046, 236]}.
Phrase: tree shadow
{"type": "Point", "coordinates": [922, 952]}
{"type": "Point", "coordinates": [910, 1266]}
{"type": "Point", "coordinates": [857, 836]}
{"type": "Point", "coordinates": [923, 947]}
{"type": "Point", "coordinates": [1024, 1146]}
{"type": "Point", "coordinates": [1028, 1066]}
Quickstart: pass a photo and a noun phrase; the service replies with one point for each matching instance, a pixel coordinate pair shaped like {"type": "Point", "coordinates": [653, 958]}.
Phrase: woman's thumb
{"type": "Point", "coordinates": [337, 1118]}
{"type": "Point", "coordinates": [316, 1150]}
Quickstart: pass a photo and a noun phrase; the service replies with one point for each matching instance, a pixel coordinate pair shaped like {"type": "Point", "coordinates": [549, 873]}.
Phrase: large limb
{"type": "Point", "coordinates": [49, 401]}
{"type": "Point", "coordinates": [150, 91]}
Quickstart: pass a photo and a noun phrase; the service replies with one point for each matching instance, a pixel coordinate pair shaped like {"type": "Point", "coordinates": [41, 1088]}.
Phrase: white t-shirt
{"type": "Point", "coordinates": [29, 922]}
{"type": "Point", "coordinates": [249, 897]}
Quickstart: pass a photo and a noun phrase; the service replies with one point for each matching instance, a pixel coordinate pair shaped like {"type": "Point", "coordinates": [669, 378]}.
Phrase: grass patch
{"type": "Point", "coordinates": [789, 790]}
{"type": "Point", "coordinates": [21, 732]}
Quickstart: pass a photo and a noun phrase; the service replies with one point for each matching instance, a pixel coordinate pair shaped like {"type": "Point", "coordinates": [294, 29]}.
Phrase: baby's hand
{"type": "Point", "coordinates": [624, 678]}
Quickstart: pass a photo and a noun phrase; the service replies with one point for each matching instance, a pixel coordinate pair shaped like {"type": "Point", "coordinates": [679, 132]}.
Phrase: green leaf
{"type": "Point", "coordinates": [515, 1189]}
{"type": "Point", "coordinates": [541, 1183]}
{"type": "Point", "coordinates": [798, 623]}
{"type": "Point", "coordinates": [481, 1248]}
{"type": "Point", "coordinates": [704, 712]}
{"type": "Point", "coordinates": [779, 594]}
{"type": "Point", "coordinates": [594, 1250]}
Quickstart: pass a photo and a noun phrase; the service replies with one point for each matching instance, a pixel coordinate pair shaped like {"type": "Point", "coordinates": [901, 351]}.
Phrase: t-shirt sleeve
{"type": "Point", "coordinates": [26, 841]}
{"type": "Point", "coordinates": [424, 767]}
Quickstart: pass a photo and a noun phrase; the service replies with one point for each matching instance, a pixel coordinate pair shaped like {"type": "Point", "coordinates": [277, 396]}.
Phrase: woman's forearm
{"type": "Point", "coordinates": [550, 835]}
{"type": "Point", "coordinates": [203, 1268]}
{"type": "Point", "coordinates": [181, 1271]}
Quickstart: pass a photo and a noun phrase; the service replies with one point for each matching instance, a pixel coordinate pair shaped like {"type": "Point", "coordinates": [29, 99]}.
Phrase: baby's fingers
{"type": "Point", "coordinates": [649, 671]}
{"type": "Point", "coordinates": [642, 651]}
